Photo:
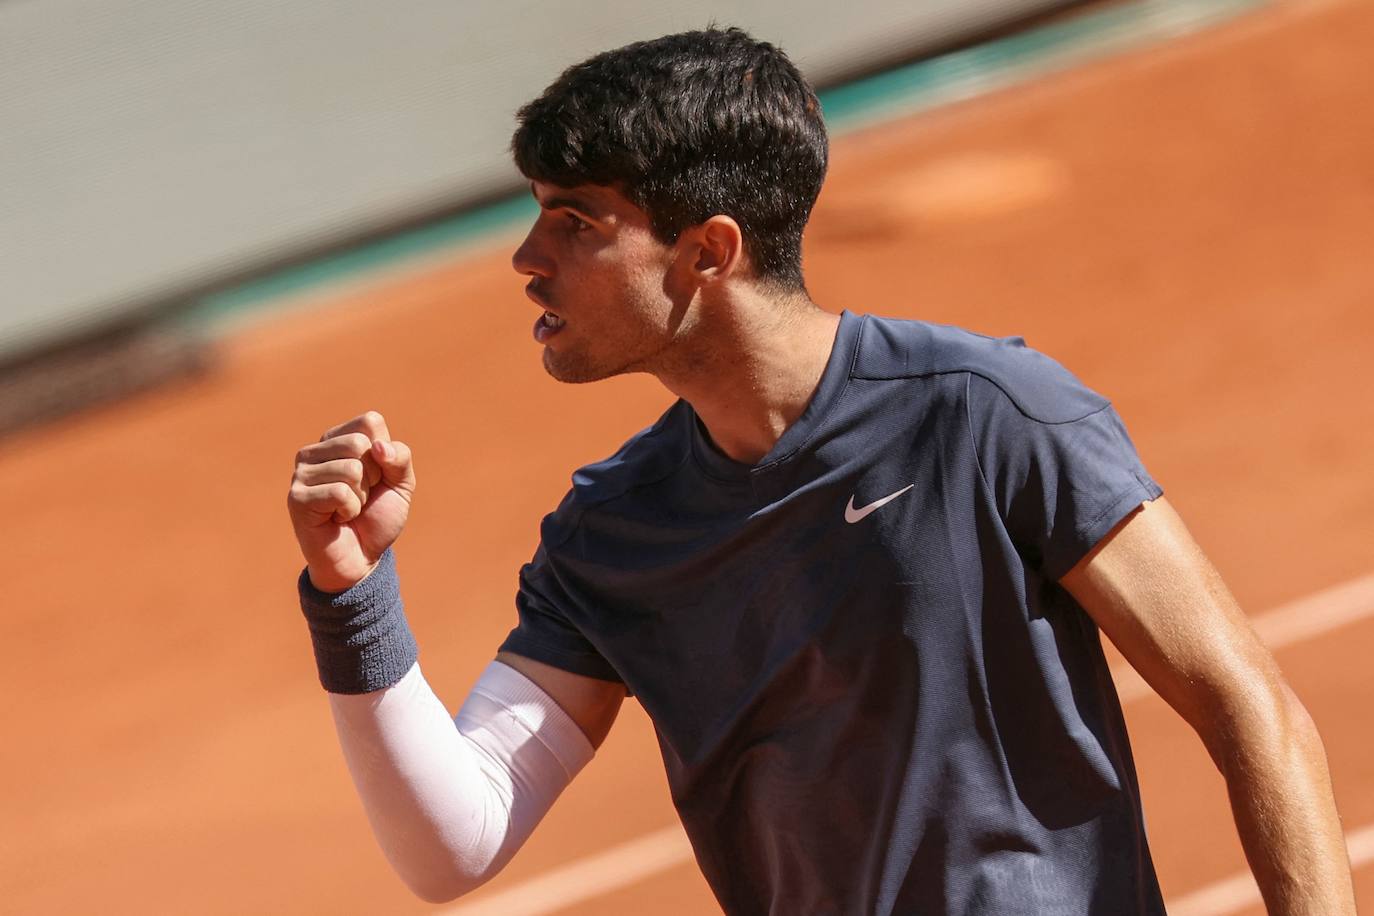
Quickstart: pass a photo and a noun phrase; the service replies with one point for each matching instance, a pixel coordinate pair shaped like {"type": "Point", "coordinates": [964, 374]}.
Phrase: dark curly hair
{"type": "Point", "coordinates": [689, 126]}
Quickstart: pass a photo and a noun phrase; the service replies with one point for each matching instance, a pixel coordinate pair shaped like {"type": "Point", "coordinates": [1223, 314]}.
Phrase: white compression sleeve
{"type": "Point", "coordinates": [451, 800]}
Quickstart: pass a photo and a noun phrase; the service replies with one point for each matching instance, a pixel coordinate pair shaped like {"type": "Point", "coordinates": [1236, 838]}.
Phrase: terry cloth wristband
{"type": "Point", "coordinates": [362, 641]}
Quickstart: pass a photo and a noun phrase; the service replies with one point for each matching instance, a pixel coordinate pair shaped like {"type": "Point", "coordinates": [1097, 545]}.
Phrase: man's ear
{"type": "Point", "coordinates": [719, 248]}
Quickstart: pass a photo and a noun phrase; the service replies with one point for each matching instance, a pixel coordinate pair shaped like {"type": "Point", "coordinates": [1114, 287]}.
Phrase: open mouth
{"type": "Point", "coordinates": [547, 325]}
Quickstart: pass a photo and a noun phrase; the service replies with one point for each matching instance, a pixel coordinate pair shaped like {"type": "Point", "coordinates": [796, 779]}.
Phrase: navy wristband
{"type": "Point", "coordinates": [361, 638]}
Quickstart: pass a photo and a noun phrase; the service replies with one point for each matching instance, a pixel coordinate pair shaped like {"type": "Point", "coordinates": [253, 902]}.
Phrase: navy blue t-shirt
{"type": "Point", "coordinates": [870, 693]}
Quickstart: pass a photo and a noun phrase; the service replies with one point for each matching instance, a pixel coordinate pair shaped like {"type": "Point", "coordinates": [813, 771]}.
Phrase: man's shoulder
{"type": "Point", "coordinates": [647, 457]}
{"type": "Point", "coordinates": [1000, 367]}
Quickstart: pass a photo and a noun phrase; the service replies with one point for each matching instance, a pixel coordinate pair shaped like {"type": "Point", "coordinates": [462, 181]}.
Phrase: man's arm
{"type": "Point", "coordinates": [593, 704]}
{"type": "Point", "coordinates": [450, 800]}
{"type": "Point", "coordinates": [1152, 591]}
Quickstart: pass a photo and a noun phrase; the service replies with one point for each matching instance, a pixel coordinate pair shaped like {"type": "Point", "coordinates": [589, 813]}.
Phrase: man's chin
{"type": "Point", "coordinates": [564, 367]}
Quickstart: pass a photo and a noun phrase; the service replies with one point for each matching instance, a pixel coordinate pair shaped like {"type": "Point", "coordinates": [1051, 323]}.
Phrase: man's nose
{"type": "Point", "coordinates": [528, 259]}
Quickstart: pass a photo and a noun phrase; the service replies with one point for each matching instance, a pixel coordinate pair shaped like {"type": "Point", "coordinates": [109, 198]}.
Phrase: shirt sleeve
{"type": "Point", "coordinates": [1062, 470]}
{"type": "Point", "coordinates": [545, 632]}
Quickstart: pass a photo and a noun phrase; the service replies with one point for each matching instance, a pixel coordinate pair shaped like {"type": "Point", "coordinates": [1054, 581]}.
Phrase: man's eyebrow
{"type": "Point", "coordinates": [573, 202]}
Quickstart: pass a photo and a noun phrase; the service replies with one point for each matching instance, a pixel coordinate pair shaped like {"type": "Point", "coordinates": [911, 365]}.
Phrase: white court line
{"type": "Point", "coordinates": [620, 866]}
{"type": "Point", "coordinates": [587, 878]}
{"type": "Point", "coordinates": [1239, 891]}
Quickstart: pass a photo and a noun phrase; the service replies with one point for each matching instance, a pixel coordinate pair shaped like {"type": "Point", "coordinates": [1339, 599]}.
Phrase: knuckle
{"type": "Point", "coordinates": [373, 419]}
{"type": "Point", "coordinates": [358, 444]}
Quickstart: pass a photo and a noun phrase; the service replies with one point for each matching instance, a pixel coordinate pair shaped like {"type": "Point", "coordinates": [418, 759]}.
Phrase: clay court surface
{"type": "Point", "coordinates": [1189, 228]}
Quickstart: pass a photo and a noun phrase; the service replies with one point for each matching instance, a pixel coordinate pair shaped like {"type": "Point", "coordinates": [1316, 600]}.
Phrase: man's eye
{"type": "Point", "coordinates": [577, 223]}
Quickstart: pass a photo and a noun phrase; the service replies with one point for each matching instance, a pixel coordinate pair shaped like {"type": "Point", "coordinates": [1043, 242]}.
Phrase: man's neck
{"type": "Point", "coordinates": [752, 367]}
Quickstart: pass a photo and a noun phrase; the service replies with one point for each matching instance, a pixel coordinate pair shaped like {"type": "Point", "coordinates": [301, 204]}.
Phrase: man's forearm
{"type": "Point", "coordinates": [1281, 796]}
{"type": "Point", "coordinates": [451, 801]}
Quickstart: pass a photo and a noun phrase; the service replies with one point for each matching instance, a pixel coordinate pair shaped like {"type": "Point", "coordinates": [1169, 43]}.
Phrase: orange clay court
{"type": "Point", "coordinates": [1188, 228]}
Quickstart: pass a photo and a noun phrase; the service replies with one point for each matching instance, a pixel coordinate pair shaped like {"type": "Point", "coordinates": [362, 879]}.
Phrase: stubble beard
{"type": "Point", "coordinates": [576, 368]}
{"type": "Point", "coordinates": [568, 368]}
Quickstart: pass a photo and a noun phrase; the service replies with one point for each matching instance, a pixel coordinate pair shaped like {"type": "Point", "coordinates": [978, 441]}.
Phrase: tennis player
{"type": "Point", "coordinates": [856, 574]}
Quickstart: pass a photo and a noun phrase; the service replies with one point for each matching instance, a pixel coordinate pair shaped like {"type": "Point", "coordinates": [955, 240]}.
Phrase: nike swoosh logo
{"type": "Point", "coordinates": [853, 515]}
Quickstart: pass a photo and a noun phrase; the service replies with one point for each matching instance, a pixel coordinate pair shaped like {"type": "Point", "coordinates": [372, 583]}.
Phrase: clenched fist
{"type": "Point", "coordinates": [349, 499]}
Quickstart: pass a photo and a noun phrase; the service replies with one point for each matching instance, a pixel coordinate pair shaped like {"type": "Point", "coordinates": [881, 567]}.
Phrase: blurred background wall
{"type": "Point", "coordinates": [155, 148]}
{"type": "Point", "coordinates": [1185, 223]}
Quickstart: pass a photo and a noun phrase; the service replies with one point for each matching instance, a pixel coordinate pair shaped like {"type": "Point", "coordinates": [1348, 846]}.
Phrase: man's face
{"type": "Point", "coordinates": [603, 281]}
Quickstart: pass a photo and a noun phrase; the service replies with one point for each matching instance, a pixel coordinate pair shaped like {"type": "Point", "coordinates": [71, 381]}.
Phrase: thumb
{"type": "Point", "coordinates": [393, 458]}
